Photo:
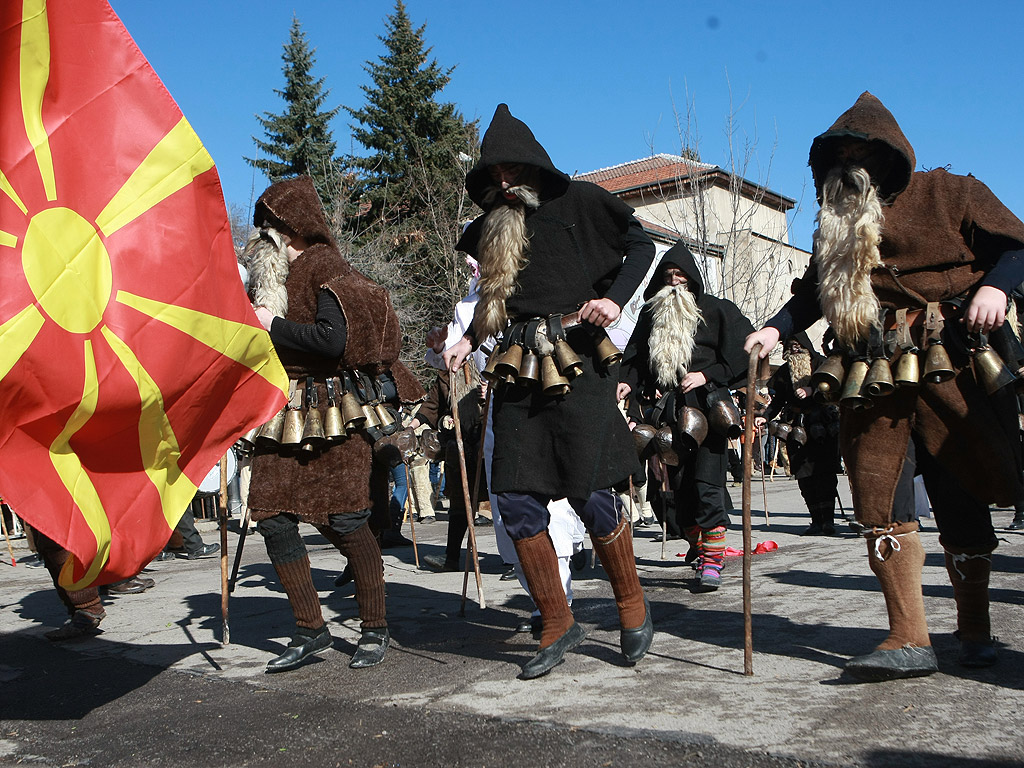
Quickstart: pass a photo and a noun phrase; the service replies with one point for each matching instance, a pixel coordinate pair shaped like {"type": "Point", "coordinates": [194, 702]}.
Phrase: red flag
{"type": "Point", "coordinates": [130, 358]}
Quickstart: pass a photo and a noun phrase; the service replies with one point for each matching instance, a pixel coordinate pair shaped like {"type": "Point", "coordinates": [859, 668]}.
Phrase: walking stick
{"type": "Point", "coordinates": [238, 550]}
{"type": "Point", "coordinates": [748, 461]}
{"type": "Point", "coordinates": [664, 505]}
{"type": "Point", "coordinates": [775, 457]}
{"type": "Point", "coordinates": [408, 514]}
{"type": "Point", "coordinates": [476, 494]}
{"type": "Point", "coordinates": [764, 487]}
{"type": "Point", "coordinates": [7, 538]}
{"type": "Point", "coordinates": [470, 509]}
{"type": "Point", "coordinates": [222, 514]}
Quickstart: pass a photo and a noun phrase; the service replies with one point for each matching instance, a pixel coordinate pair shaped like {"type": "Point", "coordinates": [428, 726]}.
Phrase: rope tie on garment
{"type": "Point", "coordinates": [959, 559]}
{"type": "Point", "coordinates": [886, 534]}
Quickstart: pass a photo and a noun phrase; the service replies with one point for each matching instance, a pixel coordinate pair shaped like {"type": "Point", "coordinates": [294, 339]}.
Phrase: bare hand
{"type": "Point", "coordinates": [802, 393]}
{"type": "Point", "coordinates": [987, 310]}
{"type": "Point", "coordinates": [600, 312]}
{"type": "Point", "coordinates": [767, 337]}
{"type": "Point", "coordinates": [265, 316]}
{"type": "Point", "coordinates": [759, 421]}
{"type": "Point", "coordinates": [436, 337]}
{"type": "Point", "coordinates": [622, 391]}
{"type": "Point", "coordinates": [455, 356]}
{"type": "Point", "coordinates": [692, 380]}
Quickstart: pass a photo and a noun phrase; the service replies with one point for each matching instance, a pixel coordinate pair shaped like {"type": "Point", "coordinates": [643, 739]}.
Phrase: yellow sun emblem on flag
{"type": "Point", "coordinates": [72, 279]}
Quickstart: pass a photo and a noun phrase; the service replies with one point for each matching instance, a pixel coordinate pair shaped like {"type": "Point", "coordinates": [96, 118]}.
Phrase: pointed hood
{"type": "Point", "coordinates": [295, 204]}
{"type": "Point", "coordinates": [867, 120]}
{"type": "Point", "coordinates": [509, 140]}
{"type": "Point", "coordinates": [677, 256]}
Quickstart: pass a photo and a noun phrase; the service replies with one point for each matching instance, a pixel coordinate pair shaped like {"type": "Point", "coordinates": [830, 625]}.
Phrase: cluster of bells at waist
{"type": "Point", "coordinates": [522, 365]}
{"type": "Point", "coordinates": [857, 383]}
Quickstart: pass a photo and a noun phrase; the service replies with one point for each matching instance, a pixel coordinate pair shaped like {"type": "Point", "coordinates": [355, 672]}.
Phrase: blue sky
{"type": "Point", "coordinates": [599, 81]}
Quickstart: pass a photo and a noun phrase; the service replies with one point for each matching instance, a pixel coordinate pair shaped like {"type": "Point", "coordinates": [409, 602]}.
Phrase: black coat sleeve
{"type": "Point", "coordinates": [325, 337]}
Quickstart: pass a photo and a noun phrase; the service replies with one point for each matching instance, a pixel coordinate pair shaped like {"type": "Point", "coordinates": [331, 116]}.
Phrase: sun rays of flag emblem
{"type": "Point", "coordinates": [130, 358]}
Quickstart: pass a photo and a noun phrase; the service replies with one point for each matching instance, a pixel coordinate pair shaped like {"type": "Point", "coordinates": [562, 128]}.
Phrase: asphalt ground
{"type": "Point", "coordinates": [158, 688]}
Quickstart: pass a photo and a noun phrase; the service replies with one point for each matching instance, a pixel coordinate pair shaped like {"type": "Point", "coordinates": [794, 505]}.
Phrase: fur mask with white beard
{"type": "Point", "coordinates": [502, 253]}
{"type": "Point", "coordinates": [674, 319]}
{"type": "Point", "coordinates": [846, 250]}
{"type": "Point", "coordinates": [799, 367]}
{"type": "Point", "coordinates": [266, 258]}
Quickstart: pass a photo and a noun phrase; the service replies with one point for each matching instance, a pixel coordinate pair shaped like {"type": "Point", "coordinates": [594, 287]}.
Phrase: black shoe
{"type": "Point", "coordinates": [131, 586]}
{"type": "Point", "coordinates": [204, 551]}
{"type": "Point", "coordinates": [80, 624]}
{"type": "Point", "coordinates": [578, 561]}
{"type": "Point", "coordinates": [371, 648]}
{"type": "Point", "coordinates": [977, 655]}
{"type": "Point", "coordinates": [856, 527]}
{"type": "Point", "coordinates": [671, 537]}
{"type": "Point", "coordinates": [426, 519]}
{"type": "Point", "coordinates": [828, 529]}
{"type": "Point", "coordinates": [552, 656]}
{"type": "Point", "coordinates": [895, 664]}
{"type": "Point", "coordinates": [510, 574]}
{"type": "Point", "coordinates": [483, 522]}
{"type": "Point", "coordinates": [814, 529]}
{"type": "Point", "coordinates": [305, 643]}
{"type": "Point", "coordinates": [534, 625]}
{"type": "Point", "coordinates": [167, 554]}
{"type": "Point", "coordinates": [392, 539]}
{"type": "Point", "coordinates": [345, 577]}
{"type": "Point", "coordinates": [636, 642]}
{"type": "Point", "coordinates": [1017, 523]}
{"type": "Point", "coordinates": [439, 564]}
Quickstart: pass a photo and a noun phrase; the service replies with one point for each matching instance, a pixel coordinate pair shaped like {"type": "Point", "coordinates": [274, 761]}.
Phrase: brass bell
{"type": "Point", "coordinates": [878, 382]}
{"type": "Point", "coordinates": [313, 437]}
{"type": "Point", "coordinates": [773, 428]}
{"type": "Point", "coordinates": [352, 412]}
{"type": "Point", "coordinates": [388, 423]}
{"type": "Point", "coordinates": [606, 351]}
{"type": "Point", "coordinates": [937, 366]}
{"type": "Point", "coordinates": [798, 434]}
{"type": "Point", "coordinates": [430, 444]}
{"type": "Point", "coordinates": [569, 363]}
{"type": "Point", "coordinates": [334, 423]}
{"type": "Point", "coordinates": [294, 423]}
{"type": "Point", "coordinates": [529, 368]}
{"type": "Point", "coordinates": [552, 382]}
{"type": "Point", "coordinates": [853, 395]}
{"type": "Point", "coordinates": [825, 393]}
{"type": "Point", "coordinates": [692, 426]}
{"type": "Point", "coordinates": [724, 417]}
{"type": "Point", "coordinates": [488, 374]}
{"type": "Point", "coordinates": [908, 369]}
{"type": "Point", "coordinates": [783, 431]}
{"type": "Point", "coordinates": [248, 440]}
{"type": "Point", "coordinates": [990, 370]}
{"type": "Point", "coordinates": [830, 372]}
{"type": "Point", "coordinates": [663, 442]}
{"type": "Point", "coordinates": [371, 420]}
{"type": "Point", "coordinates": [270, 433]}
{"type": "Point", "coordinates": [643, 436]}
{"type": "Point", "coordinates": [507, 367]}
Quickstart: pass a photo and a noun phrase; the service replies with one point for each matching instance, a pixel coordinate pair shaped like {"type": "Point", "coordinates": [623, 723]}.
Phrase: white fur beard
{"type": "Point", "coordinates": [674, 315]}
{"type": "Point", "coordinates": [799, 367]}
{"type": "Point", "coordinates": [846, 250]}
{"type": "Point", "coordinates": [266, 259]}
{"type": "Point", "coordinates": [502, 254]}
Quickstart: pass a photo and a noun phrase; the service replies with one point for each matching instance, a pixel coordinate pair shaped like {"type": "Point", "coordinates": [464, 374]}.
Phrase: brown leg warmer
{"type": "Point", "coordinates": [298, 585]}
{"type": "Point", "coordinates": [540, 567]}
{"type": "Point", "coordinates": [363, 553]}
{"type": "Point", "coordinates": [899, 574]}
{"type": "Point", "coordinates": [54, 556]}
{"type": "Point", "coordinates": [968, 573]}
{"type": "Point", "coordinates": [616, 553]}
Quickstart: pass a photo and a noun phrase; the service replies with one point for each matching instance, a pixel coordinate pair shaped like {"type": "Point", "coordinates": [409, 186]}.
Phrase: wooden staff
{"type": "Point", "coordinates": [476, 491]}
{"type": "Point", "coordinates": [664, 504]}
{"type": "Point", "coordinates": [764, 486]}
{"type": "Point", "coordinates": [470, 505]}
{"type": "Point", "coordinates": [222, 514]}
{"type": "Point", "coordinates": [748, 466]}
{"type": "Point", "coordinates": [775, 457]}
{"type": "Point", "coordinates": [7, 538]}
{"type": "Point", "coordinates": [408, 514]}
{"type": "Point", "coordinates": [238, 550]}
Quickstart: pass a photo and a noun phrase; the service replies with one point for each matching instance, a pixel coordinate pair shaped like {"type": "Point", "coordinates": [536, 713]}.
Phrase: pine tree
{"type": "Point", "coordinates": [299, 141]}
{"type": "Point", "coordinates": [408, 193]}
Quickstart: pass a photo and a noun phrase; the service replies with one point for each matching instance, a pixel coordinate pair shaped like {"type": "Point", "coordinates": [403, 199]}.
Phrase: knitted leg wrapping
{"type": "Point", "coordinates": [616, 553]}
{"type": "Point", "coordinates": [539, 563]}
{"type": "Point", "coordinates": [712, 544]}
{"type": "Point", "coordinates": [54, 556]}
{"type": "Point", "coordinates": [896, 557]}
{"type": "Point", "coordinates": [298, 585]}
{"type": "Point", "coordinates": [969, 574]}
{"type": "Point", "coordinates": [363, 553]}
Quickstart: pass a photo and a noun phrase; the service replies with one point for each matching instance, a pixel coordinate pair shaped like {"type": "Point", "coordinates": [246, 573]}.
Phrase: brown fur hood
{"type": "Point", "coordinates": [295, 204]}
{"type": "Point", "coordinates": [867, 120]}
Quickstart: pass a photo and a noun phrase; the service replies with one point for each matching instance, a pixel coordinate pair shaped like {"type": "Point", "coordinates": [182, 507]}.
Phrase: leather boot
{"type": "Point", "coordinates": [907, 651]}
{"type": "Point", "coordinates": [616, 553]}
{"type": "Point", "coordinates": [560, 633]}
{"type": "Point", "coordinates": [969, 571]}
{"type": "Point", "coordinates": [311, 634]}
{"type": "Point", "coordinates": [1017, 523]}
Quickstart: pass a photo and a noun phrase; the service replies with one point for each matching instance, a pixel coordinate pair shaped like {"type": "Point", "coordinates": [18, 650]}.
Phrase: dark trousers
{"type": "Point", "coordinates": [526, 514]}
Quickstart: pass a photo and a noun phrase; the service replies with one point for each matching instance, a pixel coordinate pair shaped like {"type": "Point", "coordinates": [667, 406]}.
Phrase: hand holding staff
{"type": "Point", "coordinates": [470, 505]}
